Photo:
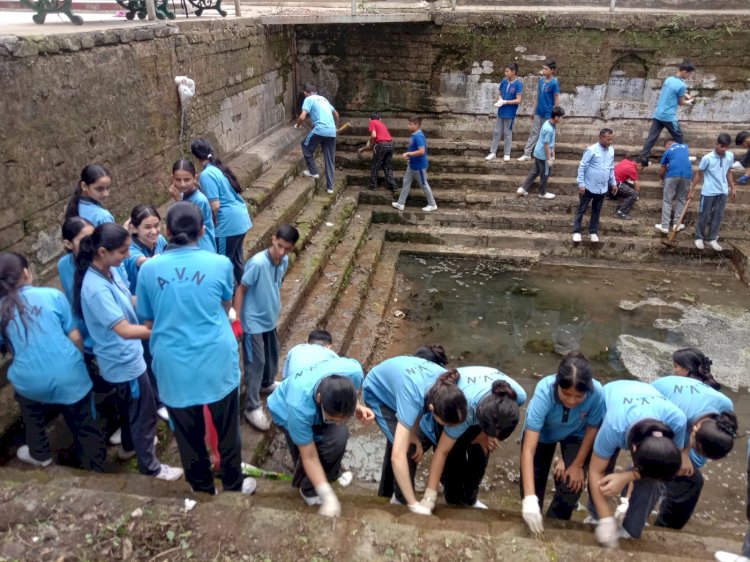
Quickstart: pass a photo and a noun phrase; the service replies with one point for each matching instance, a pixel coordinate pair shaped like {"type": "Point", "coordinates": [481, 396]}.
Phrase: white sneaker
{"type": "Point", "coordinates": [522, 192]}
{"type": "Point", "coordinates": [24, 455]}
{"type": "Point", "coordinates": [124, 455]}
{"type": "Point", "coordinates": [395, 205]}
{"type": "Point", "coordinates": [270, 388]}
{"type": "Point", "coordinates": [308, 174]}
{"type": "Point", "coordinates": [394, 500]}
{"type": "Point", "coordinates": [576, 237]}
{"type": "Point", "coordinates": [163, 414]}
{"type": "Point", "coordinates": [310, 500]}
{"type": "Point", "coordinates": [594, 237]}
{"type": "Point", "coordinates": [699, 244]}
{"type": "Point", "coordinates": [169, 473]}
{"type": "Point", "coordinates": [345, 479]}
{"type": "Point", "coordinates": [547, 195]}
{"type": "Point", "coordinates": [329, 191]}
{"type": "Point", "coordinates": [623, 534]}
{"type": "Point", "coordinates": [258, 419]}
{"type": "Point", "coordinates": [506, 158]}
{"type": "Point", "coordinates": [692, 158]}
{"type": "Point", "coordinates": [590, 520]}
{"type": "Point", "coordinates": [479, 505]}
{"type": "Point", "coordinates": [715, 245]}
{"type": "Point", "coordinates": [737, 166]}
{"type": "Point", "coordinates": [429, 208]}
{"type": "Point", "coordinates": [723, 556]}
{"type": "Point", "coordinates": [661, 229]}
{"type": "Point", "coordinates": [523, 158]}
{"type": "Point", "coordinates": [248, 485]}
{"type": "Point", "coordinates": [681, 227]}
{"type": "Point", "coordinates": [490, 156]}
{"type": "Point", "coordinates": [116, 437]}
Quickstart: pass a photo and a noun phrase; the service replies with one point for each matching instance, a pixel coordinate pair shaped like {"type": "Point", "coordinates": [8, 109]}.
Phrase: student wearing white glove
{"type": "Point", "coordinates": [567, 408]}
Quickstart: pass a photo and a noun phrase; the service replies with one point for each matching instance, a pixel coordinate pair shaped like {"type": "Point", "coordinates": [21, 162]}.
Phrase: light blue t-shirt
{"type": "Point", "coordinates": [66, 268]}
{"type": "Point", "coordinates": [546, 98]}
{"type": "Point", "coordinates": [553, 421]}
{"type": "Point", "coordinates": [137, 251]}
{"type": "Point", "coordinates": [546, 136]}
{"type": "Point", "coordinates": [399, 383]}
{"type": "Point", "coordinates": [233, 218]}
{"type": "Point", "coordinates": [305, 354]}
{"type": "Point", "coordinates": [677, 160]}
{"type": "Point", "coordinates": [476, 384]}
{"type": "Point", "coordinates": [597, 169]}
{"type": "Point", "coordinates": [672, 90]}
{"type": "Point", "coordinates": [715, 171]}
{"type": "Point", "coordinates": [321, 114]}
{"type": "Point", "coordinates": [47, 366]}
{"type": "Point", "coordinates": [627, 403]}
{"type": "Point", "coordinates": [195, 357]}
{"type": "Point", "coordinates": [262, 304]}
{"type": "Point", "coordinates": [105, 304]}
{"type": "Point", "coordinates": [208, 240]}
{"type": "Point", "coordinates": [93, 212]}
{"type": "Point", "coordinates": [292, 404]}
{"type": "Point", "coordinates": [696, 400]}
{"type": "Point", "coordinates": [509, 91]}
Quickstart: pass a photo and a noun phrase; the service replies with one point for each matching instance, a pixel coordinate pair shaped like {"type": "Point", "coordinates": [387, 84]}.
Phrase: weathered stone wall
{"type": "Point", "coordinates": [609, 67]}
{"type": "Point", "coordinates": [109, 97]}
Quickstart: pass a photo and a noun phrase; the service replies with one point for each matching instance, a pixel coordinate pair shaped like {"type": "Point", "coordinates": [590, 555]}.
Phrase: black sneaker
{"type": "Point", "coordinates": [622, 216]}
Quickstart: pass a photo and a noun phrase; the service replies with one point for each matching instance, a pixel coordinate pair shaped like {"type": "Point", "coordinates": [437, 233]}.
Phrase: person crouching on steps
{"type": "Point", "coordinates": [544, 156]}
{"type": "Point", "coordinates": [417, 168]}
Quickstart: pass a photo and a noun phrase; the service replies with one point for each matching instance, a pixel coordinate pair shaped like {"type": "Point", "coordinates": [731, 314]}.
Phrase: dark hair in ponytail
{"type": "Point", "coordinates": [202, 150]}
{"type": "Point", "coordinates": [89, 175]}
{"type": "Point", "coordinates": [72, 227]}
{"type": "Point", "coordinates": [498, 413]}
{"type": "Point", "coordinates": [108, 235]}
{"type": "Point", "coordinates": [338, 396]}
{"type": "Point", "coordinates": [434, 353]}
{"type": "Point", "coordinates": [184, 223]}
{"type": "Point", "coordinates": [11, 271]}
{"type": "Point", "coordinates": [575, 372]}
{"type": "Point", "coordinates": [697, 364]}
{"type": "Point", "coordinates": [447, 401]}
{"type": "Point", "coordinates": [656, 455]}
{"type": "Point", "coordinates": [715, 436]}
{"type": "Point", "coordinates": [141, 212]}
{"type": "Point", "coordinates": [186, 165]}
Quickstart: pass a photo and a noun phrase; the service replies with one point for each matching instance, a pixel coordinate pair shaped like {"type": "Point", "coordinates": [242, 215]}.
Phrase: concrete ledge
{"type": "Point", "coordinates": [343, 19]}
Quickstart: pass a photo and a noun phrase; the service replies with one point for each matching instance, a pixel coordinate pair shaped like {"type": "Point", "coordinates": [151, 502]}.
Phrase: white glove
{"type": "Point", "coordinates": [551, 161]}
{"type": "Point", "coordinates": [330, 506]}
{"type": "Point", "coordinates": [532, 514]}
{"type": "Point", "coordinates": [419, 509]}
{"type": "Point", "coordinates": [499, 103]}
{"type": "Point", "coordinates": [429, 498]}
{"type": "Point", "coordinates": [232, 315]}
{"type": "Point", "coordinates": [606, 532]}
{"type": "Point", "coordinates": [621, 510]}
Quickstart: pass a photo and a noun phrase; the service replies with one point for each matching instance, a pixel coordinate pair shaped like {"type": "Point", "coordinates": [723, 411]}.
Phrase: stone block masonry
{"type": "Point", "coordinates": [109, 97]}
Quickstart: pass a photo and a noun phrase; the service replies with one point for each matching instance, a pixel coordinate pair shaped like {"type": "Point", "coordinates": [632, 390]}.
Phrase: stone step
{"type": "Point", "coordinates": [250, 162]}
{"type": "Point", "coordinates": [334, 279]}
{"type": "Point", "coordinates": [262, 191]}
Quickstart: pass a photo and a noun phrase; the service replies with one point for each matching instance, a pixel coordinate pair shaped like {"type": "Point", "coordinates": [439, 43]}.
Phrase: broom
{"type": "Point", "coordinates": [670, 240]}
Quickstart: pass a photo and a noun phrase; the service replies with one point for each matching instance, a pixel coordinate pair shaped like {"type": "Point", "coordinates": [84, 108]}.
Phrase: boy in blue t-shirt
{"type": "Point", "coordinates": [676, 171]}
{"type": "Point", "coordinates": [258, 302]}
{"type": "Point", "coordinates": [544, 157]}
{"type": "Point", "coordinates": [715, 171]}
{"type": "Point", "coordinates": [507, 105]}
{"type": "Point", "coordinates": [417, 168]}
{"type": "Point", "coordinates": [673, 94]}
{"type": "Point", "coordinates": [547, 99]}
{"type": "Point", "coordinates": [325, 121]}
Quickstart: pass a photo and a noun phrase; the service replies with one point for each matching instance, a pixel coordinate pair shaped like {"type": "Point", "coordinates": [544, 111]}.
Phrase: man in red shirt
{"type": "Point", "coordinates": [628, 187]}
{"type": "Point", "coordinates": [382, 156]}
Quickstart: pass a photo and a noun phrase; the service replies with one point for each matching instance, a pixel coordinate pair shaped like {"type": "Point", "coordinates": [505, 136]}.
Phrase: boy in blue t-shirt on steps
{"type": "Point", "coordinates": [509, 99]}
{"type": "Point", "coordinates": [417, 168]}
{"type": "Point", "coordinates": [548, 97]}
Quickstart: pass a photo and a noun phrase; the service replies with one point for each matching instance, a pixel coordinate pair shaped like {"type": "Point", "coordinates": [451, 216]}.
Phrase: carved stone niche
{"type": "Point", "coordinates": [627, 78]}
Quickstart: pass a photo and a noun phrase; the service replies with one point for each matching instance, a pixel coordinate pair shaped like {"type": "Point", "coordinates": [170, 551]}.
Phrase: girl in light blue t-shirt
{"type": "Point", "coordinates": [185, 188]}
{"type": "Point", "coordinates": [90, 194]}
{"type": "Point", "coordinates": [37, 327]}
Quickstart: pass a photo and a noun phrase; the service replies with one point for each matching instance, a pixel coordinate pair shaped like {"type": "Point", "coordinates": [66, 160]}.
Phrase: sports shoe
{"type": "Point", "coordinates": [116, 437]}
{"type": "Point", "coordinates": [310, 500]}
{"type": "Point", "coordinates": [722, 556]}
{"type": "Point", "coordinates": [24, 455]}
{"type": "Point", "coordinates": [270, 388]}
{"type": "Point", "coordinates": [258, 419]}
{"type": "Point", "coordinates": [623, 534]}
{"type": "Point", "coordinates": [506, 158]}
{"type": "Point", "coordinates": [163, 413]}
{"type": "Point", "coordinates": [699, 243]}
{"type": "Point", "coordinates": [429, 208]}
{"type": "Point", "coordinates": [396, 205]}
{"type": "Point", "coordinates": [309, 174]}
{"type": "Point", "coordinates": [576, 237]}
{"type": "Point", "coordinates": [692, 158]}
{"type": "Point", "coordinates": [622, 216]}
{"type": "Point", "coordinates": [329, 191]}
{"type": "Point", "coordinates": [490, 156]}
{"type": "Point", "coordinates": [345, 479]}
{"type": "Point", "coordinates": [523, 158]}
{"type": "Point", "coordinates": [737, 166]}
{"type": "Point", "coordinates": [715, 245]}
{"type": "Point", "coordinates": [479, 505]}
{"type": "Point", "coordinates": [547, 195]}
{"type": "Point", "coordinates": [248, 485]}
{"type": "Point", "coordinates": [395, 500]}
{"type": "Point", "coordinates": [169, 473]}
{"type": "Point", "coordinates": [124, 455]}
{"type": "Point", "coordinates": [522, 192]}
{"type": "Point", "coordinates": [594, 237]}
{"type": "Point", "coordinates": [661, 229]}
{"type": "Point", "coordinates": [681, 227]}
